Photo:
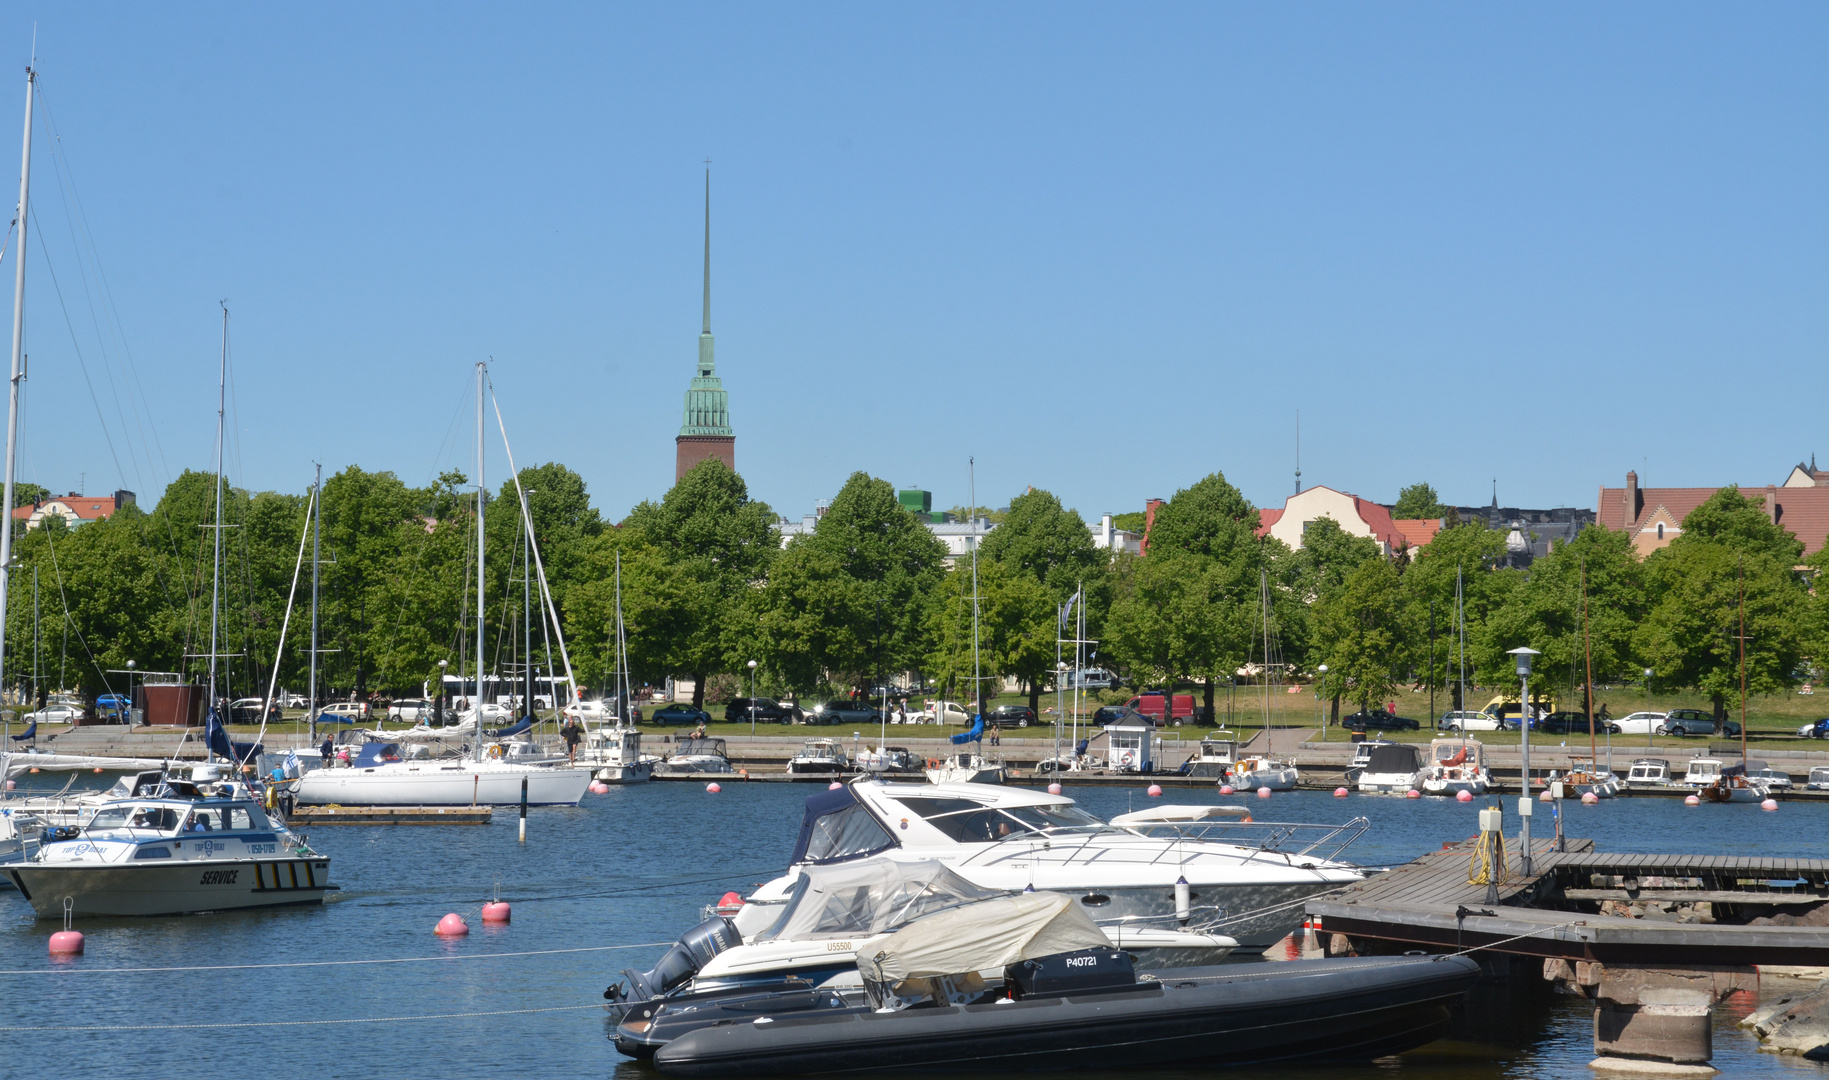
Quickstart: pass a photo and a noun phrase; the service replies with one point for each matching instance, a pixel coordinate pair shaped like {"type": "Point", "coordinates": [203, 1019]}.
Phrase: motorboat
{"type": "Point", "coordinates": [888, 760]}
{"type": "Point", "coordinates": [1702, 772]}
{"type": "Point", "coordinates": [1584, 776]}
{"type": "Point", "coordinates": [1391, 768]}
{"type": "Point", "coordinates": [385, 774]}
{"type": "Point", "coordinates": [696, 754]}
{"type": "Point", "coordinates": [1455, 765]}
{"type": "Point", "coordinates": [1648, 773]}
{"type": "Point", "coordinates": [1215, 757]}
{"type": "Point", "coordinates": [17, 763]}
{"type": "Point", "coordinates": [65, 807]}
{"type": "Point", "coordinates": [820, 756]}
{"type": "Point", "coordinates": [1264, 771]}
{"type": "Point", "coordinates": [1362, 756]}
{"type": "Point", "coordinates": [1774, 779]}
{"type": "Point", "coordinates": [965, 768]}
{"type": "Point", "coordinates": [193, 847]}
{"type": "Point", "coordinates": [1734, 783]}
{"type": "Point", "coordinates": [613, 754]}
{"type": "Point", "coordinates": [1029, 982]}
{"type": "Point", "coordinates": [1206, 869]}
{"type": "Point", "coordinates": [1819, 778]}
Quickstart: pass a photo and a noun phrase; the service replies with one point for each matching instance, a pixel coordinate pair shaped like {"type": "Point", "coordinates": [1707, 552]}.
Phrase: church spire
{"type": "Point", "coordinates": [707, 329]}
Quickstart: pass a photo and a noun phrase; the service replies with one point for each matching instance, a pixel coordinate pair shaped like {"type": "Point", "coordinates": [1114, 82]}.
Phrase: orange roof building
{"type": "Point", "coordinates": [73, 508]}
{"type": "Point", "coordinates": [1653, 517]}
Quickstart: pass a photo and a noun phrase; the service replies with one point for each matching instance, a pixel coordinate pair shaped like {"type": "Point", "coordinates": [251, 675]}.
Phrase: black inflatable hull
{"type": "Point", "coordinates": [1322, 1010]}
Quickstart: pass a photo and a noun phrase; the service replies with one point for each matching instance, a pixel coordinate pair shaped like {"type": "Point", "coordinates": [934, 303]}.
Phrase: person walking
{"type": "Point", "coordinates": [574, 734]}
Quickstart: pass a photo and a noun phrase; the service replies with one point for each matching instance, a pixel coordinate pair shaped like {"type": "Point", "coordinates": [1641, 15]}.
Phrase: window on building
{"type": "Point", "coordinates": [1660, 530]}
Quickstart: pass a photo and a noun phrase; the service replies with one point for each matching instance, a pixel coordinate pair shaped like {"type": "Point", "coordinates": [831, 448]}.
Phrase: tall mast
{"type": "Point", "coordinates": [222, 383]}
{"type": "Point", "coordinates": [1587, 649]}
{"type": "Point", "coordinates": [18, 376]}
{"type": "Point", "coordinates": [977, 680]}
{"type": "Point", "coordinates": [526, 613]}
{"type": "Point", "coordinates": [480, 498]}
{"type": "Point", "coordinates": [1742, 584]}
{"type": "Point", "coordinates": [317, 517]}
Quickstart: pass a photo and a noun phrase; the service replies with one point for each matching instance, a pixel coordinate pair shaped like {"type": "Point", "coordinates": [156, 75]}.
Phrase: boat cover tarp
{"type": "Point", "coordinates": [986, 935]}
{"type": "Point", "coordinates": [972, 734]}
{"type": "Point", "coordinates": [1393, 758]}
{"type": "Point", "coordinates": [525, 724]}
{"type": "Point", "coordinates": [870, 896]}
{"type": "Point", "coordinates": [29, 733]}
{"type": "Point", "coordinates": [375, 753]}
{"type": "Point", "coordinates": [835, 828]}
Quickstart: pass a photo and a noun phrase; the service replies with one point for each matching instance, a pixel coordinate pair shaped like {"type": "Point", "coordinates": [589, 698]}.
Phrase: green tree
{"type": "Point", "coordinates": [1361, 632]}
{"type": "Point", "coordinates": [1317, 573]}
{"type": "Point", "coordinates": [25, 494]}
{"type": "Point", "coordinates": [1043, 544]}
{"type": "Point", "coordinates": [1691, 636]}
{"type": "Point", "coordinates": [1472, 552]}
{"type": "Point", "coordinates": [1419, 501]}
{"type": "Point", "coordinates": [1734, 521]}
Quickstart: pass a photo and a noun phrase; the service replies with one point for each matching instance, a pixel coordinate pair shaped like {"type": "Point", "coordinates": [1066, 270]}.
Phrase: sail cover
{"type": "Point", "coordinates": [855, 899]}
{"type": "Point", "coordinates": [986, 935]}
{"type": "Point", "coordinates": [526, 723]}
{"type": "Point", "coordinates": [973, 734]}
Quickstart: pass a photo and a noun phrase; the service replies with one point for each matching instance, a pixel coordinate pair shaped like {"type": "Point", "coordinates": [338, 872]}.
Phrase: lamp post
{"type": "Point", "coordinates": [1648, 724]}
{"type": "Point", "coordinates": [128, 717]}
{"type": "Point", "coordinates": [1323, 670]}
{"type": "Point", "coordinates": [441, 691]}
{"type": "Point", "coordinates": [1524, 730]}
{"type": "Point", "coordinates": [752, 698]}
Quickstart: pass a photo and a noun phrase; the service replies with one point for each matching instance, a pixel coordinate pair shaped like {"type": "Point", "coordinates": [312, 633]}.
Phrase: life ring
{"type": "Point", "coordinates": [933, 762]}
{"type": "Point", "coordinates": [496, 751]}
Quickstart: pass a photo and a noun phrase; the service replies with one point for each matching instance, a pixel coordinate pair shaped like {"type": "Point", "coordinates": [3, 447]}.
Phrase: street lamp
{"type": "Point", "coordinates": [1524, 730]}
{"type": "Point", "coordinates": [1648, 725]}
{"type": "Point", "coordinates": [1323, 670]}
{"type": "Point", "coordinates": [752, 698]}
{"type": "Point", "coordinates": [442, 664]}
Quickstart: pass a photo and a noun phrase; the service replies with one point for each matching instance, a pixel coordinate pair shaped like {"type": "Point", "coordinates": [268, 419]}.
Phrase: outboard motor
{"type": "Point", "coordinates": [688, 955]}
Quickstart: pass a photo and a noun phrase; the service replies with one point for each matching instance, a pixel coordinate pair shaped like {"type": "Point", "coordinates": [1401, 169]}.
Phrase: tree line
{"type": "Point", "coordinates": [706, 587]}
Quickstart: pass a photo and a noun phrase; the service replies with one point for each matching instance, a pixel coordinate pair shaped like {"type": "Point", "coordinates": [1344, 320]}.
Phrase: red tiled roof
{"type": "Point", "coordinates": [1419, 531]}
{"type": "Point", "coordinates": [85, 507]}
{"type": "Point", "coordinates": [1804, 512]}
{"type": "Point", "coordinates": [1267, 517]}
{"type": "Point", "coordinates": [1378, 517]}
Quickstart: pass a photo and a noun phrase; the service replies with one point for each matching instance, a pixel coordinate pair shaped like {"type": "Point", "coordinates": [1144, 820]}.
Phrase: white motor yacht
{"type": "Point", "coordinates": [820, 756]}
{"type": "Point", "coordinates": [1731, 783]}
{"type": "Point", "coordinates": [381, 774]}
{"type": "Point", "coordinates": [1264, 771]}
{"type": "Point", "coordinates": [1648, 773]}
{"type": "Point", "coordinates": [1184, 868]}
{"type": "Point", "coordinates": [613, 754]}
{"type": "Point", "coordinates": [888, 760]}
{"type": "Point", "coordinates": [1819, 778]}
{"type": "Point", "coordinates": [1390, 769]}
{"type": "Point", "coordinates": [1216, 756]}
{"type": "Point", "coordinates": [697, 755]}
{"type": "Point", "coordinates": [1455, 765]}
{"type": "Point", "coordinates": [1362, 756]}
{"type": "Point", "coordinates": [1584, 776]}
{"type": "Point", "coordinates": [965, 768]}
{"type": "Point", "coordinates": [187, 850]}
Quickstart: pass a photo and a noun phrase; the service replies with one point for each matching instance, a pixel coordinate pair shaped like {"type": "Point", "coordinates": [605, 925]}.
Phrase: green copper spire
{"type": "Point", "coordinates": [707, 405]}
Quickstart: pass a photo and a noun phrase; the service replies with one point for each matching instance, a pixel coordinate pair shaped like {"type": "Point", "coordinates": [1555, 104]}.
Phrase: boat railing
{"type": "Point", "coordinates": [1200, 919]}
{"type": "Point", "coordinates": [1293, 839]}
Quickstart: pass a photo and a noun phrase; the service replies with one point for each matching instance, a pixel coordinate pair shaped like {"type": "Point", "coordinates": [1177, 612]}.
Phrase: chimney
{"type": "Point", "coordinates": [1149, 522]}
{"type": "Point", "coordinates": [1632, 506]}
{"type": "Point", "coordinates": [1771, 502]}
{"type": "Point", "coordinates": [123, 498]}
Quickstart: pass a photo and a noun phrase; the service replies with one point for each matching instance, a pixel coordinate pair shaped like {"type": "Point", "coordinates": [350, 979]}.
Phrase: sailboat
{"type": "Point", "coordinates": [970, 766]}
{"type": "Point", "coordinates": [1587, 777]}
{"type": "Point", "coordinates": [475, 780]}
{"type": "Point", "coordinates": [613, 753]}
{"type": "Point", "coordinates": [1457, 764]}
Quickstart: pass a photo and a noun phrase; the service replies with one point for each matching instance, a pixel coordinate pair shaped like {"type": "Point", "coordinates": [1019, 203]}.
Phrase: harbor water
{"type": "Point", "coordinates": [634, 868]}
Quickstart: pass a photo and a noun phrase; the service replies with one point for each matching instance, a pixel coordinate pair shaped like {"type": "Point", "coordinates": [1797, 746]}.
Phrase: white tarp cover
{"type": "Point", "coordinates": [1159, 815]}
{"type": "Point", "coordinates": [985, 936]}
{"type": "Point", "coordinates": [869, 896]}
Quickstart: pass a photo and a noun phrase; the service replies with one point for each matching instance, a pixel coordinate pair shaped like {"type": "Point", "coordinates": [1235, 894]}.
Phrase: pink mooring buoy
{"type": "Point", "coordinates": [598, 787]}
{"type": "Point", "coordinates": [1769, 804]}
{"type": "Point", "coordinates": [496, 911]}
{"type": "Point", "coordinates": [834, 786]}
{"type": "Point", "coordinates": [1546, 797]}
{"type": "Point", "coordinates": [713, 788]}
{"type": "Point", "coordinates": [1155, 790]}
{"type": "Point", "coordinates": [452, 925]}
{"type": "Point", "coordinates": [1054, 789]}
{"type": "Point", "coordinates": [1588, 798]}
{"type": "Point", "coordinates": [1263, 793]}
{"type": "Point", "coordinates": [1341, 793]}
{"type": "Point", "coordinates": [1691, 800]}
{"type": "Point", "coordinates": [1225, 789]}
{"type": "Point", "coordinates": [1463, 796]}
{"type": "Point", "coordinates": [1413, 794]}
{"type": "Point", "coordinates": [67, 943]}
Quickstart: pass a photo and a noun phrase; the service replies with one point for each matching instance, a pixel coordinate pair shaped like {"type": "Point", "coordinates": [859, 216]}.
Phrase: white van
{"type": "Point", "coordinates": [1089, 679]}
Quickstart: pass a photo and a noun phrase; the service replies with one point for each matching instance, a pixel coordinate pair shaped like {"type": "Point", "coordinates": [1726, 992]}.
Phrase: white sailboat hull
{"type": "Point", "coordinates": [432, 783]}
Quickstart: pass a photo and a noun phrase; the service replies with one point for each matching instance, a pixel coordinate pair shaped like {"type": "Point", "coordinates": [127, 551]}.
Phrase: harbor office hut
{"type": "Point", "coordinates": [1132, 742]}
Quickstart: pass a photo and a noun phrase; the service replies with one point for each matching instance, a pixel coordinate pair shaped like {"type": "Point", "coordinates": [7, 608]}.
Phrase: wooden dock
{"type": "Point", "coordinates": [1580, 904]}
{"type": "Point", "coordinates": [390, 815]}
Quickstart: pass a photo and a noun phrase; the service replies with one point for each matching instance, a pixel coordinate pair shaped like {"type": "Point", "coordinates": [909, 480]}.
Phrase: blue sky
{"type": "Point", "coordinates": [1105, 249]}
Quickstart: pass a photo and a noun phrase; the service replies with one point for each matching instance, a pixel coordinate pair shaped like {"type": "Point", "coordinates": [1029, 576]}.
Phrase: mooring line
{"type": "Point", "coordinates": [310, 963]}
{"type": "Point", "coordinates": [309, 1023]}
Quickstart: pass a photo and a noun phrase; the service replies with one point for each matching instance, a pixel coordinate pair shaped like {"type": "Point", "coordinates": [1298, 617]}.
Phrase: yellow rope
{"type": "Point", "coordinates": [1487, 866]}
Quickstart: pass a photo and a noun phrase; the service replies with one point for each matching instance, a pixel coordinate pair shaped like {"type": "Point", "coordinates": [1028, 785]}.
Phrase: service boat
{"type": "Point", "coordinates": [1029, 982]}
{"type": "Point", "coordinates": [182, 852]}
{"type": "Point", "coordinates": [696, 755]}
{"type": "Point", "coordinates": [1584, 776]}
{"type": "Point", "coordinates": [1731, 783]}
{"type": "Point", "coordinates": [1215, 757]}
{"type": "Point", "coordinates": [1455, 765]}
{"type": "Point", "coordinates": [1362, 756]}
{"type": "Point", "coordinates": [1649, 773]}
{"type": "Point", "coordinates": [1184, 867]}
{"type": "Point", "coordinates": [1264, 771]}
{"type": "Point", "coordinates": [381, 774]}
{"type": "Point", "coordinates": [613, 754]}
{"type": "Point", "coordinates": [888, 760]}
{"type": "Point", "coordinates": [1391, 769]}
{"type": "Point", "coordinates": [824, 756]}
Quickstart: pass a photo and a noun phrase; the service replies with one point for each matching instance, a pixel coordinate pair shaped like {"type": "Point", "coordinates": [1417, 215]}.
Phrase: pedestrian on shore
{"type": "Point", "coordinates": [574, 734]}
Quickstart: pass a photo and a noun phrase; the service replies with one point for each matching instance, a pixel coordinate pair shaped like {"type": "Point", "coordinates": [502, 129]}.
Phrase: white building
{"type": "Point", "coordinates": [1113, 539]}
{"type": "Point", "coordinates": [958, 536]}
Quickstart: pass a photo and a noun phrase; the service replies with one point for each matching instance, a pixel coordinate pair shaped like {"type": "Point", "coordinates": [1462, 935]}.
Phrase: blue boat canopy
{"type": "Point", "coordinates": [375, 753]}
{"type": "Point", "coordinates": [975, 733]}
{"type": "Point", "coordinates": [525, 724]}
{"type": "Point", "coordinates": [28, 733]}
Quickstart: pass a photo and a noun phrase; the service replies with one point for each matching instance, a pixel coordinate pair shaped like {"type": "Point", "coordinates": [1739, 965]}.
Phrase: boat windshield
{"type": "Point", "coordinates": [867, 897]}
{"type": "Point", "coordinates": [160, 819]}
{"type": "Point", "coordinates": [972, 822]}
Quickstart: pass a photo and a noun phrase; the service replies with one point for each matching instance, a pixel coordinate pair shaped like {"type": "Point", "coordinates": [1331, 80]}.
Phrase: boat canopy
{"type": "Point", "coordinates": [29, 733]}
{"type": "Point", "coordinates": [375, 753]}
{"type": "Point", "coordinates": [973, 734]}
{"type": "Point", "coordinates": [525, 724]}
{"type": "Point", "coordinates": [1393, 758]}
{"type": "Point", "coordinates": [836, 828]}
{"type": "Point", "coordinates": [976, 937]}
{"type": "Point", "coordinates": [869, 897]}
{"type": "Point", "coordinates": [690, 745]}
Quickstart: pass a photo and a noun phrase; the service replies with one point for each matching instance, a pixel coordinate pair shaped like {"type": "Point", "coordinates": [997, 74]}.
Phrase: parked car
{"type": "Point", "coordinates": [1470, 721]}
{"type": "Point", "coordinates": [1638, 723]}
{"type": "Point", "coordinates": [1108, 715]}
{"type": "Point", "coordinates": [767, 711]}
{"type": "Point", "coordinates": [1379, 720]}
{"type": "Point", "coordinates": [681, 712]}
{"type": "Point", "coordinates": [113, 706]}
{"type": "Point", "coordinates": [1816, 730]}
{"type": "Point", "coordinates": [1010, 716]}
{"type": "Point", "coordinates": [55, 714]}
{"type": "Point", "coordinates": [342, 712]}
{"type": "Point", "coordinates": [411, 710]}
{"type": "Point", "coordinates": [941, 712]}
{"type": "Point", "coordinates": [1694, 722]}
{"type": "Point", "coordinates": [893, 693]}
{"type": "Point", "coordinates": [245, 710]}
{"type": "Point", "coordinates": [289, 700]}
{"type": "Point", "coordinates": [1565, 723]}
{"type": "Point", "coordinates": [1164, 706]}
{"type": "Point", "coordinates": [843, 711]}
{"type": "Point", "coordinates": [1090, 679]}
